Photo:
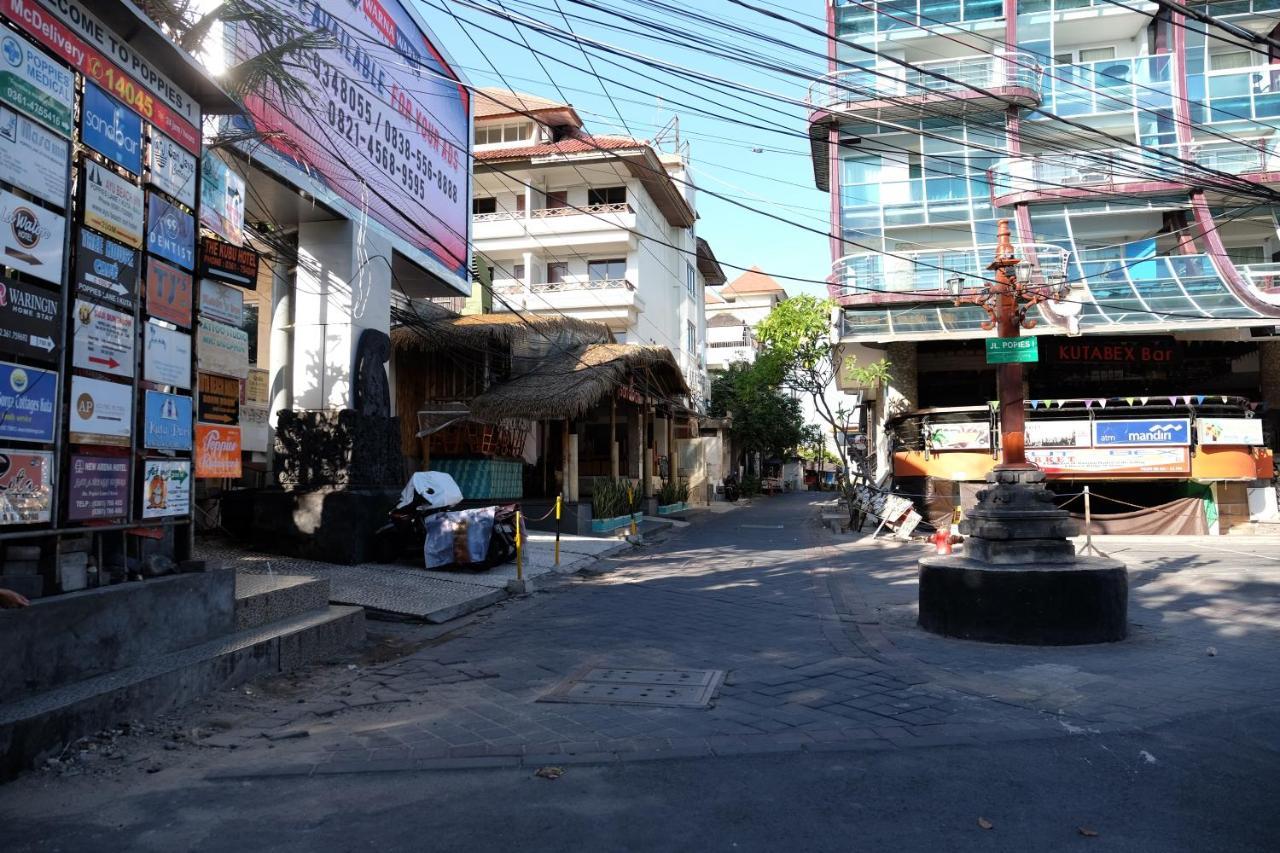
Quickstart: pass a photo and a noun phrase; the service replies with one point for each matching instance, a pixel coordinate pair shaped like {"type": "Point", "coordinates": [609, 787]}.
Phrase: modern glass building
{"type": "Point", "coordinates": [1134, 152]}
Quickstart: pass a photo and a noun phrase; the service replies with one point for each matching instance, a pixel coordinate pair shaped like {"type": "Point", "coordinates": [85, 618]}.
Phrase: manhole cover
{"type": "Point", "coordinates": [668, 688]}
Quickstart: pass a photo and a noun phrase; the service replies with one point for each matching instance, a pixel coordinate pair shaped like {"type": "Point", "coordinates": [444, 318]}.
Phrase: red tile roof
{"type": "Point", "coordinates": [753, 280]}
{"type": "Point", "coordinates": [503, 102]}
{"type": "Point", "coordinates": [584, 144]}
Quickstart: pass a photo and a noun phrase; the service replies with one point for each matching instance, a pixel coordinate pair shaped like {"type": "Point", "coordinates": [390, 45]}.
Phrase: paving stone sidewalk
{"type": "Point", "coordinates": [815, 633]}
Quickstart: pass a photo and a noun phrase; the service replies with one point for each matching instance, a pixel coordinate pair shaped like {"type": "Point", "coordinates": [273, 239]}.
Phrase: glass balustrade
{"type": "Point", "coordinates": [851, 86]}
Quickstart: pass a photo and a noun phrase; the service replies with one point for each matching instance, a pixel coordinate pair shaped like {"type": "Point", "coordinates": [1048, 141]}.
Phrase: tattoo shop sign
{"type": "Point", "coordinates": [223, 349]}
{"type": "Point", "coordinates": [30, 322]}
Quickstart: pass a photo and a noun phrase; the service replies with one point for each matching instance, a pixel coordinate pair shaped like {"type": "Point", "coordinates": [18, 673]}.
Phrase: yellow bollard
{"type": "Point", "coordinates": [558, 502]}
{"type": "Point", "coordinates": [519, 550]}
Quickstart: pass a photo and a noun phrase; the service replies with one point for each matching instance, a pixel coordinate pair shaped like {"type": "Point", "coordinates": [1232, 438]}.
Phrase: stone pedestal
{"type": "Point", "coordinates": [1020, 580]}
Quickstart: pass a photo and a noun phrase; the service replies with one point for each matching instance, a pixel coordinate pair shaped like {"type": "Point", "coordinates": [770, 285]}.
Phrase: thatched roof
{"type": "Point", "coordinates": [571, 383]}
{"type": "Point", "coordinates": [425, 334]}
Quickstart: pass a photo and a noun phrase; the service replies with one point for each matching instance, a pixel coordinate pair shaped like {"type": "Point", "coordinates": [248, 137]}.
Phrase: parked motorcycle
{"type": "Point", "coordinates": [470, 540]}
{"type": "Point", "coordinates": [731, 489]}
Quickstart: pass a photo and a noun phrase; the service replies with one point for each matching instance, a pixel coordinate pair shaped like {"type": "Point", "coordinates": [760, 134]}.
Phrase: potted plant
{"type": "Point", "coordinates": [612, 504]}
{"type": "Point", "coordinates": [673, 497]}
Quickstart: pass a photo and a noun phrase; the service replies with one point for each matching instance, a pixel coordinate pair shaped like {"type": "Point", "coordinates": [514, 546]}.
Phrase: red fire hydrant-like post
{"type": "Point", "coordinates": [941, 540]}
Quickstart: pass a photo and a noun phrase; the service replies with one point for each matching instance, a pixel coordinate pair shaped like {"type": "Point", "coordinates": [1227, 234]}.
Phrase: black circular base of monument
{"type": "Point", "coordinates": [1047, 605]}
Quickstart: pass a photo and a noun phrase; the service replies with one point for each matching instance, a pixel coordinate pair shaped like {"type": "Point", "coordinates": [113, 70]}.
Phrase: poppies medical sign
{"type": "Point", "coordinates": [386, 126]}
{"type": "Point", "coordinates": [31, 238]}
{"type": "Point", "coordinates": [171, 233]}
{"type": "Point", "coordinates": [110, 128]}
{"type": "Point", "coordinates": [36, 85]}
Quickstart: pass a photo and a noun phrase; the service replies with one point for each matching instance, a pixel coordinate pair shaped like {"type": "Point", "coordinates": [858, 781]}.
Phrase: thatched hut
{"type": "Point", "coordinates": [553, 401]}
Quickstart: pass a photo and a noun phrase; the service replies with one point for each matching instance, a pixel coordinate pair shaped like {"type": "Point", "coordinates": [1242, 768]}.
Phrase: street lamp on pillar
{"type": "Point", "coordinates": [1006, 302]}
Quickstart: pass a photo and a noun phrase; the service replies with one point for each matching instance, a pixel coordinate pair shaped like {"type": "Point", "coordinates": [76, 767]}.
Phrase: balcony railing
{"type": "Point", "coordinates": [591, 209]}
{"type": "Point", "coordinates": [1050, 176]}
{"type": "Point", "coordinates": [582, 284]}
{"type": "Point", "coordinates": [879, 278]}
{"type": "Point", "coordinates": [1264, 279]}
{"type": "Point", "coordinates": [923, 82]}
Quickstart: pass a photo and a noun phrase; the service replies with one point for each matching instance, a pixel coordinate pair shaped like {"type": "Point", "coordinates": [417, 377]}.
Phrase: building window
{"type": "Point", "coordinates": [517, 272]}
{"type": "Point", "coordinates": [1085, 55]}
{"type": "Point", "coordinates": [692, 344]}
{"type": "Point", "coordinates": [1230, 59]}
{"type": "Point", "coordinates": [484, 205]}
{"type": "Point", "coordinates": [691, 280]}
{"type": "Point", "coordinates": [1247, 255]}
{"type": "Point", "coordinates": [557, 199]}
{"type": "Point", "coordinates": [557, 272]}
{"type": "Point", "coordinates": [496, 134]}
{"type": "Point", "coordinates": [613, 269]}
{"type": "Point", "coordinates": [607, 195]}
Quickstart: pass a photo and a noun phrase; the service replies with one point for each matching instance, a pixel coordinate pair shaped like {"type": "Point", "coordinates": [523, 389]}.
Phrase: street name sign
{"type": "Point", "coordinates": [1012, 350]}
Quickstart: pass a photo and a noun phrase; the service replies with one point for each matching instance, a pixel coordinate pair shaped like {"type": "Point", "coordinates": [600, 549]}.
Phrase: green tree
{"type": "Point", "coordinates": [765, 418]}
{"type": "Point", "coordinates": [800, 351]}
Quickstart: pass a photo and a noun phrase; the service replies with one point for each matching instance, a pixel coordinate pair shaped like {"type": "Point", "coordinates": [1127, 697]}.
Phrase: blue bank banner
{"type": "Point", "coordinates": [166, 422]}
{"type": "Point", "coordinates": [1147, 432]}
{"type": "Point", "coordinates": [171, 232]}
{"type": "Point", "coordinates": [111, 128]}
{"type": "Point", "coordinates": [28, 403]}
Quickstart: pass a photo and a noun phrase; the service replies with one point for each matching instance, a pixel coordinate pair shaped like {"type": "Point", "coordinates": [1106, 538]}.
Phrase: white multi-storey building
{"type": "Point", "coordinates": [589, 226]}
{"type": "Point", "coordinates": [732, 315]}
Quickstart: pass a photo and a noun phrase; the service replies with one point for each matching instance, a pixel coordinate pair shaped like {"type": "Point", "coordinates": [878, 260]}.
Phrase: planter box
{"type": "Point", "coordinates": [604, 525]}
{"type": "Point", "coordinates": [672, 509]}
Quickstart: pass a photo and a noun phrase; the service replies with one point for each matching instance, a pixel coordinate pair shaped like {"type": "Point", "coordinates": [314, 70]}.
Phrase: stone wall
{"type": "Point", "coordinates": [338, 448]}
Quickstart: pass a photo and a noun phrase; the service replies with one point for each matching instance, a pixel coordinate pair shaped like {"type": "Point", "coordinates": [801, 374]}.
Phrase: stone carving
{"type": "Point", "coordinates": [372, 393]}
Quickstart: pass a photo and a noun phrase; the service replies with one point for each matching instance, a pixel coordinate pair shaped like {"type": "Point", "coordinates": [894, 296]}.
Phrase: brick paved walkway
{"type": "Point", "coordinates": [815, 632]}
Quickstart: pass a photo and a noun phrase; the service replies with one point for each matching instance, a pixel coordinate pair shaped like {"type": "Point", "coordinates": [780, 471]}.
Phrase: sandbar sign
{"type": "Point", "coordinates": [111, 128]}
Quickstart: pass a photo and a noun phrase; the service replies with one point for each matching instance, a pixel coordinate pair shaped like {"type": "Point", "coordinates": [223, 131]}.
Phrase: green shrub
{"type": "Point", "coordinates": [750, 486]}
{"type": "Point", "coordinates": [611, 498]}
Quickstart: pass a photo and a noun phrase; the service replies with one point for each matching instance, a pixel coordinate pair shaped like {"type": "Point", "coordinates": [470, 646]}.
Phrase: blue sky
{"type": "Point", "coordinates": [778, 178]}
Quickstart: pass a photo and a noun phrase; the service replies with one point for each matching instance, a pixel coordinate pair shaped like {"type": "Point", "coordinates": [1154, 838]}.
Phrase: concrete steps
{"type": "Point", "coordinates": [281, 623]}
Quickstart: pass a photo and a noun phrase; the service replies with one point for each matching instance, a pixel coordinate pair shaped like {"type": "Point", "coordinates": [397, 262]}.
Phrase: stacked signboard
{"type": "Point", "coordinates": [98, 304]}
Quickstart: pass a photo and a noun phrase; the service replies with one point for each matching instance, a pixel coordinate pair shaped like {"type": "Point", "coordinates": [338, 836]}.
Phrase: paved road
{"type": "Point", "coordinates": [840, 726]}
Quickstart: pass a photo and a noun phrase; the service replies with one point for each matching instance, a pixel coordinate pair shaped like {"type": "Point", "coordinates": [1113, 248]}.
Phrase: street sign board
{"type": "Point", "coordinates": [1012, 350]}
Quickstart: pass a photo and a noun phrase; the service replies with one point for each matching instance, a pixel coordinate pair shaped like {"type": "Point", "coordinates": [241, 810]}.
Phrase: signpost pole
{"type": "Point", "coordinates": [1009, 375]}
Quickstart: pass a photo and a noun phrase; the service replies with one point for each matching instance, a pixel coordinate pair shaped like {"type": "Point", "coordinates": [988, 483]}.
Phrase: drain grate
{"type": "Point", "coordinates": [665, 688]}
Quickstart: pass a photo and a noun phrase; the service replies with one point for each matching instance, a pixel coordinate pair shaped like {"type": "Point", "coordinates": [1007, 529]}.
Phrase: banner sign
{"type": "Point", "coordinates": [221, 302]}
{"type": "Point", "coordinates": [221, 199]}
{"type": "Point", "coordinates": [105, 270]}
{"type": "Point", "coordinates": [30, 322]}
{"type": "Point", "coordinates": [970, 436]}
{"type": "Point", "coordinates": [166, 356]}
{"type": "Point", "coordinates": [171, 169]}
{"type": "Point", "coordinates": [112, 204]}
{"type": "Point", "coordinates": [102, 339]}
{"type": "Point", "coordinates": [1133, 352]}
{"type": "Point", "coordinates": [142, 88]}
{"type": "Point", "coordinates": [97, 487]}
{"type": "Point", "coordinates": [110, 128]}
{"type": "Point", "coordinates": [223, 349]}
{"type": "Point", "coordinates": [33, 159]}
{"type": "Point", "coordinates": [36, 85]}
{"type": "Point", "coordinates": [253, 428]}
{"type": "Point", "coordinates": [166, 487]}
{"type": "Point", "coordinates": [217, 452]}
{"type": "Point", "coordinates": [28, 403]}
{"type": "Point", "coordinates": [26, 486]}
{"type": "Point", "coordinates": [1157, 432]}
{"type": "Point", "coordinates": [166, 422]}
{"type": "Point", "coordinates": [1059, 433]}
{"type": "Point", "coordinates": [227, 262]}
{"type": "Point", "coordinates": [171, 233]}
{"type": "Point", "coordinates": [1112, 460]}
{"type": "Point", "coordinates": [219, 400]}
{"type": "Point", "coordinates": [1229, 431]}
{"type": "Point", "coordinates": [385, 126]}
{"type": "Point", "coordinates": [169, 293]}
{"type": "Point", "coordinates": [101, 411]}
{"type": "Point", "coordinates": [32, 238]}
